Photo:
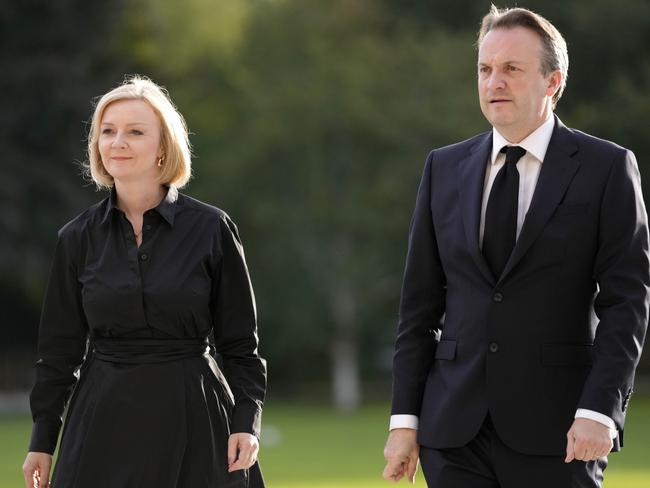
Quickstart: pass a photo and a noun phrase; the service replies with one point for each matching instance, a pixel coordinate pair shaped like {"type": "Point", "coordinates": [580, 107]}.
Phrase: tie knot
{"type": "Point", "coordinates": [513, 153]}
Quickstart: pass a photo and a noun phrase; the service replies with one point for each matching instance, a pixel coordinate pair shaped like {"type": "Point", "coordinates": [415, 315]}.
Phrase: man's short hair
{"type": "Point", "coordinates": [554, 54]}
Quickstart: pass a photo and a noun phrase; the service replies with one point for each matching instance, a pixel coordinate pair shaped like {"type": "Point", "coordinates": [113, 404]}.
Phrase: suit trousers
{"type": "Point", "coordinates": [486, 462]}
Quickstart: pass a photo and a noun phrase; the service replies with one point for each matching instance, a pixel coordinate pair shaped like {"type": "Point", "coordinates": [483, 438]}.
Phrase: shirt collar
{"type": "Point", "coordinates": [166, 208]}
{"type": "Point", "coordinates": [536, 143]}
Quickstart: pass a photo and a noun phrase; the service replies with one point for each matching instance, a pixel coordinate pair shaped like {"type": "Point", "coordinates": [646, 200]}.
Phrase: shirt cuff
{"type": "Point", "coordinates": [403, 422]}
{"type": "Point", "coordinates": [598, 417]}
{"type": "Point", "coordinates": [44, 436]}
{"type": "Point", "coordinates": [247, 417]}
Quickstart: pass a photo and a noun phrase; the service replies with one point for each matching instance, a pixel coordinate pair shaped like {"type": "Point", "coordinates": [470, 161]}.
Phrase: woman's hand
{"type": "Point", "coordinates": [37, 469]}
{"type": "Point", "coordinates": [242, 451]}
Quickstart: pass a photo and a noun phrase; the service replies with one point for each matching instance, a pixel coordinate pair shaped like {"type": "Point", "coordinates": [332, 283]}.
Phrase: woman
{"type": "Point", "coordinates": [138, 283]}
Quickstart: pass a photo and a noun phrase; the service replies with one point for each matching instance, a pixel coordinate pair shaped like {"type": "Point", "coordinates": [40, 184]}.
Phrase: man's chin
{"type": "Point", "coordinates": [500, 120]}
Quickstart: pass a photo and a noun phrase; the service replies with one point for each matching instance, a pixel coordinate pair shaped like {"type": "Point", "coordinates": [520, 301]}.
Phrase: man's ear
{"type": "Point", "coordinates": [554, 81]}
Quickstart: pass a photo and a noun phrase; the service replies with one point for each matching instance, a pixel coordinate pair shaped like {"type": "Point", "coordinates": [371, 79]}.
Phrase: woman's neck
{"type": "Point", "coordinates": [135, 198]}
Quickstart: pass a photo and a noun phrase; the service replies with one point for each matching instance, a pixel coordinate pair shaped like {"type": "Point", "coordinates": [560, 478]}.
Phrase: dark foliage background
{"type": "Point", "coordinates": [310, 122]}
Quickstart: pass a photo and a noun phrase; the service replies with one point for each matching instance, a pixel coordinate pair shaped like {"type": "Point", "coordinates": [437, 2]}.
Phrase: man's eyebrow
{"type": "Point", "coordinates": [480, 63]}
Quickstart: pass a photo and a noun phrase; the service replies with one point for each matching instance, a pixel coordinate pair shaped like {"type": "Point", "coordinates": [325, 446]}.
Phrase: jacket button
{"type": "Point", "coordinates": [493, 347]}
{"type": "Point", "coordinates": [144, 256]}
{"type": "Point", "coordinates": [497, 297]}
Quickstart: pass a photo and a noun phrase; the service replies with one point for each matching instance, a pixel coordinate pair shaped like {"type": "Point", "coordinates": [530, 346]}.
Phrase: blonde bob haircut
{"type": "Point", "coordinates": [176, 169]}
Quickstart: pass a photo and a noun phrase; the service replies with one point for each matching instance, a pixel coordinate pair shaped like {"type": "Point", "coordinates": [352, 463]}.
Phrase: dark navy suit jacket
{"type": "Point", "coordinates": [562, 328]}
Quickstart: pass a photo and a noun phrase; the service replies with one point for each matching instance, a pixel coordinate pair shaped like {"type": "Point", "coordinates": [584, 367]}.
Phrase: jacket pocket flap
{"type": "Point", "coordinates": [445, 350]}
{"type": "Point", "coordinates": [566, 354]}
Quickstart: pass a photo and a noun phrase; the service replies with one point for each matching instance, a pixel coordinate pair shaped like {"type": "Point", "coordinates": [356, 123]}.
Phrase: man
{"type": "Point", "coordinates": [525, 297]}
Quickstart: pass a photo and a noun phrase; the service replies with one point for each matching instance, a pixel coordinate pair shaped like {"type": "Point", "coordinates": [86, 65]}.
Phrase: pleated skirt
{"type": "Point", "coordinates": [161, 424]}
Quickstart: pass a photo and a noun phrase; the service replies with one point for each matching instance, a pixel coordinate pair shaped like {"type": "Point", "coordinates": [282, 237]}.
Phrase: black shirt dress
{"type": "Point", "coordinates": [124, 338]}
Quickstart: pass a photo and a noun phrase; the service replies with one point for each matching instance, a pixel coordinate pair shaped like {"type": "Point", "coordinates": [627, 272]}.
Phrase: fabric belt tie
{"type": "Point", "coordinates": [135, 351]}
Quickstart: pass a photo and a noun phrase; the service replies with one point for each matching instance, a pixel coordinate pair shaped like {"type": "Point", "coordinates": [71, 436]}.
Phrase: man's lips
{"type": "Point", "coordinates": [500, 100]}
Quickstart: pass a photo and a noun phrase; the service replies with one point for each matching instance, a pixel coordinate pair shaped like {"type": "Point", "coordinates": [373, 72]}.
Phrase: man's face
{"type": "Point", "coordinates": [515, 96]}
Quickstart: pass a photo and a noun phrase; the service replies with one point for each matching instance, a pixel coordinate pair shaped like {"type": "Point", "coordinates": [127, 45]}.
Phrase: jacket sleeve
{"type": "Point", "coordinates": [422, 305]}
{"type": "Point", "coordinates": [61, 347]}
{"type": "Point", "coordinates": [235, 331]}
{"type": "Point", "coordinates": [622, 271]}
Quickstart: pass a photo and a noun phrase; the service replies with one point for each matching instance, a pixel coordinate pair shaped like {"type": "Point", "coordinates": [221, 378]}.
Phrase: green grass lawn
{"type": "Point", "coordinates": [312, 447]}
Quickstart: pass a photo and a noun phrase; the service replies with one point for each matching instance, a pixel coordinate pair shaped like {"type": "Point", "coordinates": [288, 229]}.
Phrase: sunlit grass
{"type": "Point", "coordinates": [313, 447]}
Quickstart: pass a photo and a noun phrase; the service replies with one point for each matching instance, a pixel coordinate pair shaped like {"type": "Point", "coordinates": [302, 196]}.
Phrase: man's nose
{"type": "Point", "coordinates": [495, 81]}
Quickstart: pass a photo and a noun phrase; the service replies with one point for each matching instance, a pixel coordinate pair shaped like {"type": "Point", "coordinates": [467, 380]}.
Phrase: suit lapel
{"type": "Point", "coordinates": [471, 179]}
{"type": "Point", "coordinates": [555, 175]}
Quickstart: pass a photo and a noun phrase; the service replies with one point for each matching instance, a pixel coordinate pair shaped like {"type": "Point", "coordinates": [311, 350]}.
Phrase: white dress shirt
{"type": "Point", "coordinates": [529, 167]}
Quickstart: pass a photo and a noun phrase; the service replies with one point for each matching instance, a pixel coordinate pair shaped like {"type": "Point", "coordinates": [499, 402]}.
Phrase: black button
{"type": "Point", "coordinates": [144, 256]}
{"type": "Point", "coordinates": [498, 297]}
{"type": "Point", "coordinates": [494, 347]}
{"type": "Point", "coordinates": [147, 227]}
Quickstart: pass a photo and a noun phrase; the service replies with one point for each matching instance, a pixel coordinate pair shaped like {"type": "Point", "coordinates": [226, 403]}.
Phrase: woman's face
{"type": "Point", "coordinates": [129, 141]}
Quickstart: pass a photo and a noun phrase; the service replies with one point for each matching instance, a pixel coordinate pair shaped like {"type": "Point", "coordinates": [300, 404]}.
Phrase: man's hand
{"type": "Point", "coordinates": [242, 451]}
{"type": "Point", "coordinates": [401, 452]}
{"type": "Point", "coordinates": [587, 440]}
{"type": "Point", "coordinates": [37, 470]}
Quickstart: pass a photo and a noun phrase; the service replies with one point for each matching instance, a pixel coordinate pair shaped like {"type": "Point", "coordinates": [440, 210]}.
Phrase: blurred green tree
{"type": "Point", "coordinates": [56, 58]}
{"type": "Point", "coordinates": [330, 110]}
{"type": "Point", "coordinates": [310, 121]}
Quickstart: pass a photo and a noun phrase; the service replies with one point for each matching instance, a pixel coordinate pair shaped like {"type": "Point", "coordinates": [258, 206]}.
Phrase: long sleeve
{"type": "Point", "coordinates": [622, 270]}
{"type": "Point", "coordinates": [235, 331]}
{"type": "Point", "coordinates": [61, 347]}
{"type": "Point", "coordinates": [421, 308]}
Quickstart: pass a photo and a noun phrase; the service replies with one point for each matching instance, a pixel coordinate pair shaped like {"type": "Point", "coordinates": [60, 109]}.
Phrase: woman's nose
{"type": "Point", "coordinates": [119, 140]}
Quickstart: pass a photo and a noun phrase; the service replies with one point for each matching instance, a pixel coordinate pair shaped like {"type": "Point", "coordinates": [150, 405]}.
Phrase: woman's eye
{"type": "Point", "coordinates": [106, 131]}
{"type": "Point", "coordinates": [136, 132]}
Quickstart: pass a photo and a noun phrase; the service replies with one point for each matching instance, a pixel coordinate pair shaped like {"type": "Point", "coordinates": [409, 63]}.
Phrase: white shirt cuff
{"type": "Point", "coordinates": [412, 421]}
{"type": "Point", "coordinates": [404, 422]}
{"type": "Point", "coordinates": [598, 417]}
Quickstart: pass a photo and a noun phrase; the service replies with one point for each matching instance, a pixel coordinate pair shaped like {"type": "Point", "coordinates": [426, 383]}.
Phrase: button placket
{"type": "Point", "coordinates": [144, 254]}
{"type": "Point", "coordinates": [148, 224]}
{"type": "Point", "coordinates": [127, 228]}
{"type": "Point", "coordinates": [134, 255]}
{"type": "Point", "coordinates": [144, 257]}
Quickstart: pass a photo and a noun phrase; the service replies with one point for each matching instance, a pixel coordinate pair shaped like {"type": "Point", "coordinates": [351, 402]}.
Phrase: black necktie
{"type": "Point", "coordinates": [500, 231]}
